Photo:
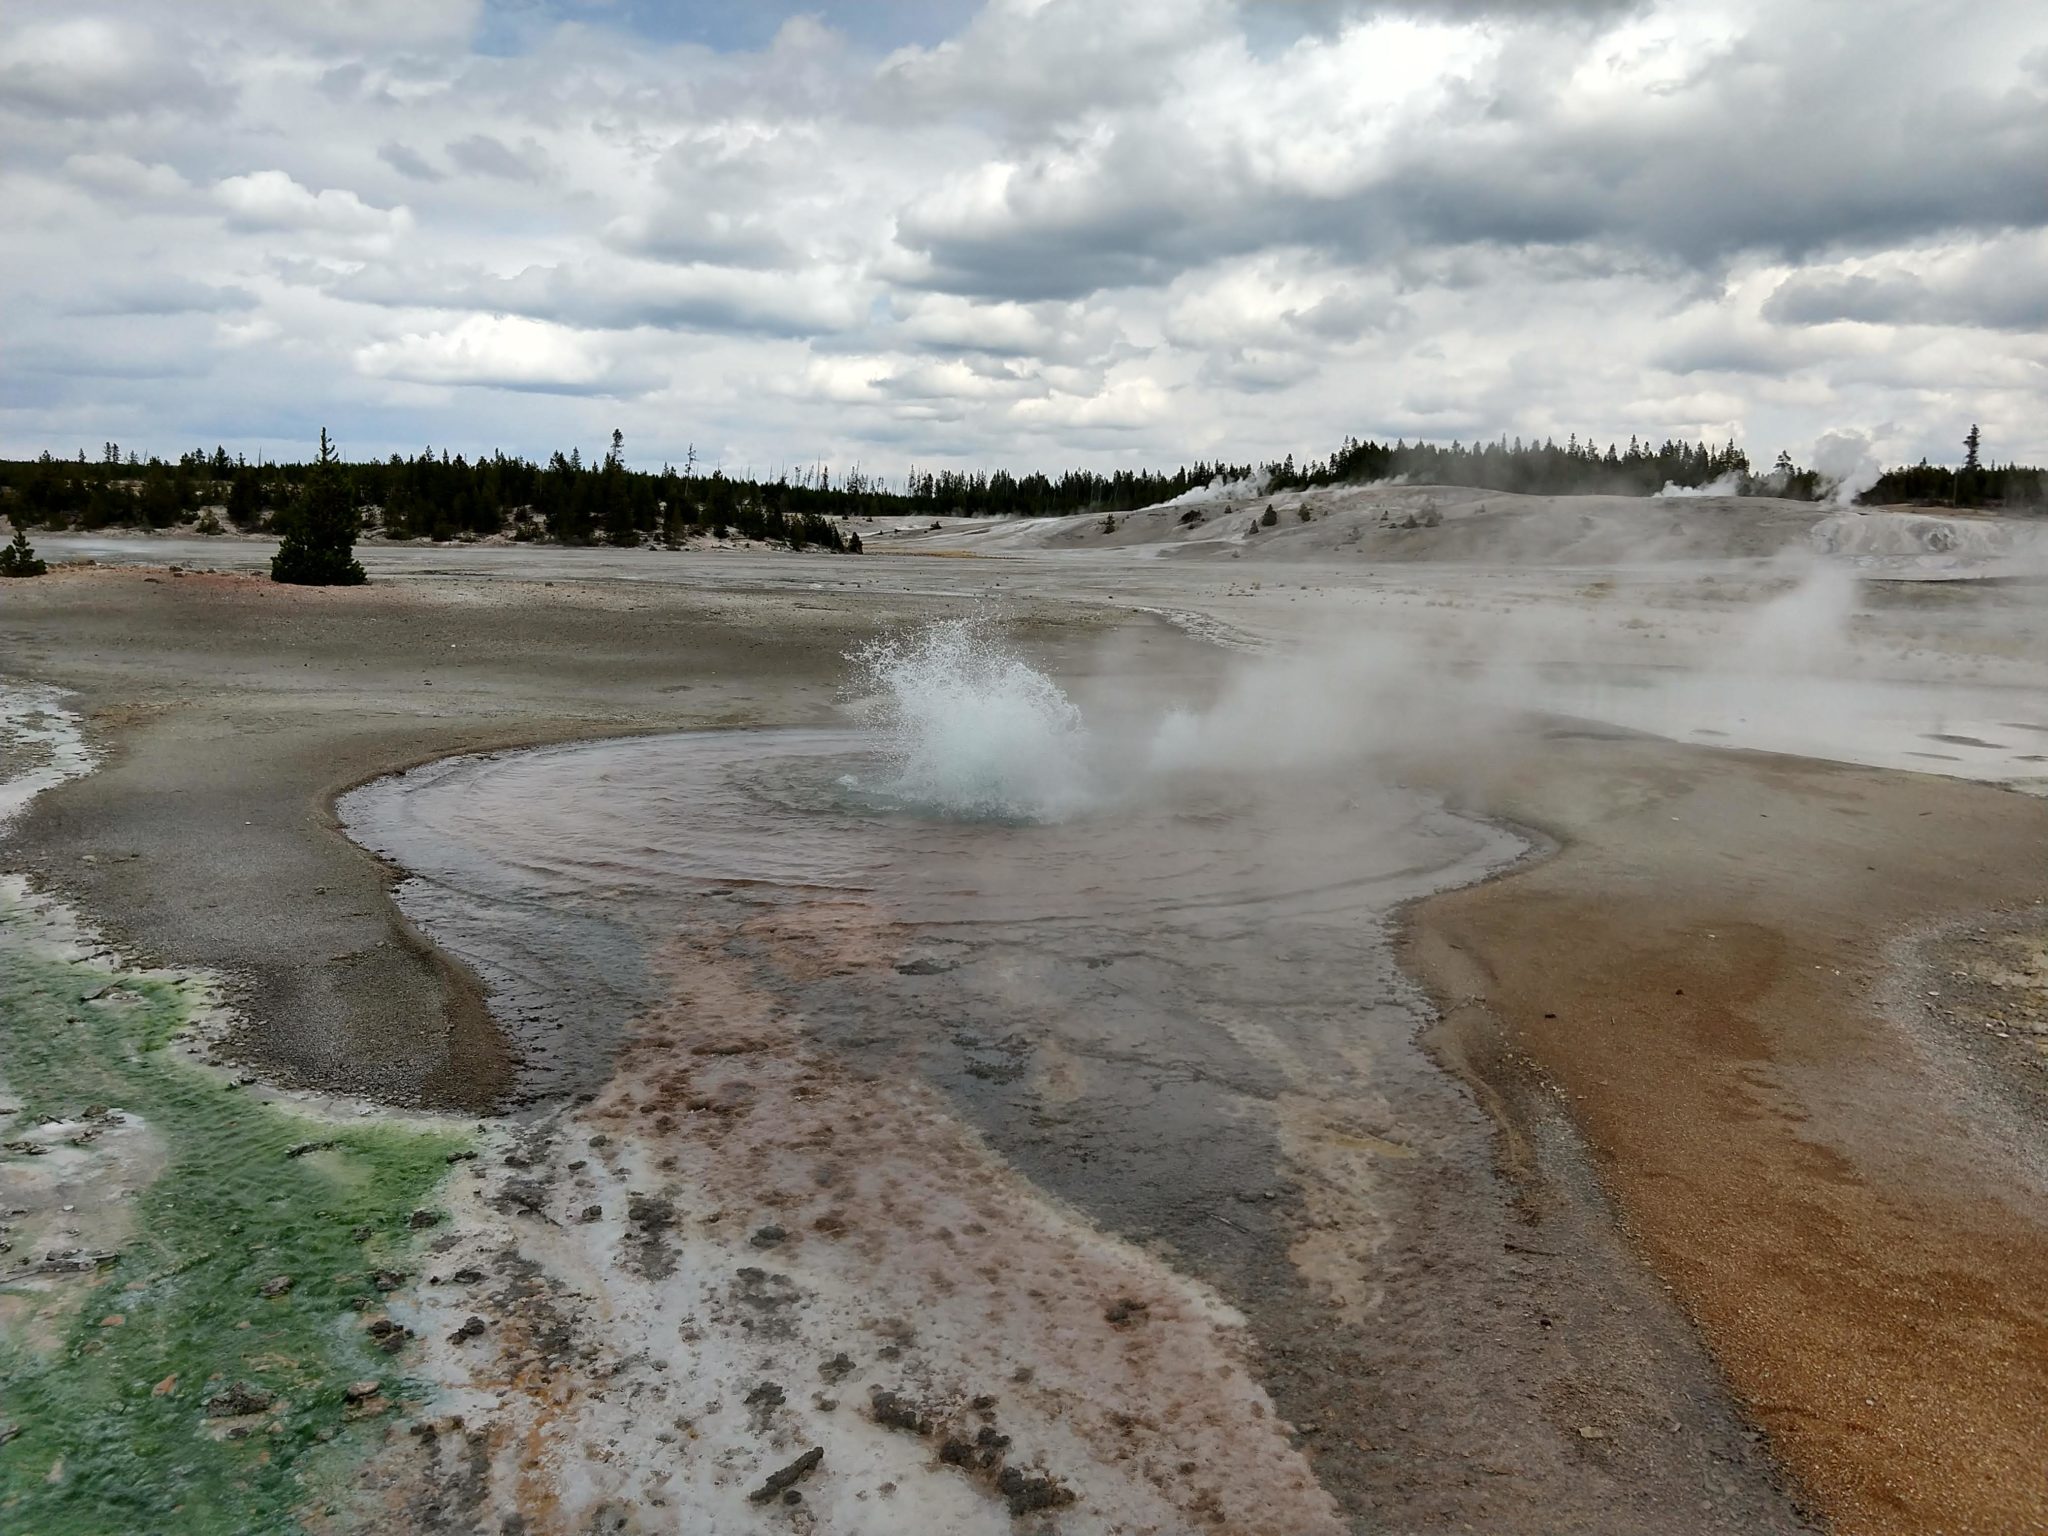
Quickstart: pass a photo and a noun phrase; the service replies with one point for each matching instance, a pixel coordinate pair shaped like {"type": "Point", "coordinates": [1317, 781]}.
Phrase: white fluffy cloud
{"type": "Point", "coordinates": [1060, 231]}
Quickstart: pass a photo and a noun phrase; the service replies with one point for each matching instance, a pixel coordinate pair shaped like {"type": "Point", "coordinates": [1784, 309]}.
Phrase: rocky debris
{"type": "Point", "coordinates": [1028, 1493]}
{"type": "Point", "coordinates": [361, 1391]}
{"type": "Point", "coordinates": [388, 1279]}
{"type": "Point", "coordinates": [521, 1197]}
{"type": "Point", "coordinates": [768, 1236]}
{"type": "Point", "coordinates": [652, 1219]}
{"type": "Point", "coordinates": [788, 1477]}
{"type": "Point", "coordinates": [277, 1285]}
{"type": "Point", "coordinates": [838, 1368]}
{"type": "Point", "coordinates": [237, 1399]}
{"type": "Point", "coordinates": [590, 1213]}
{"type": "Point", "coordinates": [63, 1261]}
{"type": "Point", "coordinates": [390, 1337]}
{"type": "Point", "coordinates": [420, 1220]}
{"type": "Point", "coordinates": [471, 1328]}
{"type": "Point", "coordinates": [26, 1148]}
{"type": "Point", "coordinates": [771, 1297]}
{"type": "Point", "coordinates": [892, 1410]}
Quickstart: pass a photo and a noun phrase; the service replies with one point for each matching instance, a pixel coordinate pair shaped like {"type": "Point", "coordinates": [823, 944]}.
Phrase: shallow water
{"type": "Point", "coordinates": [1117, 1001]}
{"type": "Point", "coordinates": [1233, 918]}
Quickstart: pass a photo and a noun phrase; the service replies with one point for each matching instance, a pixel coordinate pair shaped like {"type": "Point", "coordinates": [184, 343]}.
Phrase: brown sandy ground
{"type": "Point", "coordinates": [1777, 1004]}
{"type": "Point", "coordinates": [230, 710]}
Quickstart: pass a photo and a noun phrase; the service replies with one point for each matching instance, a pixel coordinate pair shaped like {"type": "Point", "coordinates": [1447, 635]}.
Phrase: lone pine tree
{"type": "Point", "coordinates": [19, 559]}
{"type": "Point", "coordinates": [319, 543]}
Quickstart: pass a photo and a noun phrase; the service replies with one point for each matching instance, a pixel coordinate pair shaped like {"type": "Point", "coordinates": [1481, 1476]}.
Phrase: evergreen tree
{"type": "Point", "coordinates": [1970, 446]}
{"type": "Point", "coordinates": [320, 535]}
{"type": "Point", "coordinates": [18, 559]}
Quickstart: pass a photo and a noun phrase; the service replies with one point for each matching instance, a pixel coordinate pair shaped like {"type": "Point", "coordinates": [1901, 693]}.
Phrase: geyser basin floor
{"type": "Point", "coordinates": [1111, 1137]}
{"type": "Point", "coordinates": [227, 708]}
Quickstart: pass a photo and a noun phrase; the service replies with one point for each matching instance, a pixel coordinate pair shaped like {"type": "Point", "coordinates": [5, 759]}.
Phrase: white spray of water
{"type": "Point", "coordinates": [971, 730]}
{"type": "Point", "coordinates": [1848, 463]}
{"type": "Point", "coordinates": [1729, 484]}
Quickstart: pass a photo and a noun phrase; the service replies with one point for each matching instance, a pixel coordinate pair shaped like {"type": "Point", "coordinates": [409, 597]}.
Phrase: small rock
{"type": "Point", "coordinates": [420, 1220]}
{"type": "Point", "coordinates": [838, 1367]}
{"type": "Point", "coordinates": [591, 1213]}
{"type": "Point", "coordinates": [470, 1329]}
{"type": "Point", "coordinates": [360, 1391]}
{"type": "Point", "coordinates": [277, 1285]}
{"type": "Point", "coordinates": [237, 1399]}
{"type": "Point", "coordinates": [784, 1481]}
{"type": "Point", "coordinates": [1027, 1494]}
{"type": "Point", "coordinates": [893, 1411]}
{"type": "Point", "coordinates": [768, 1236]}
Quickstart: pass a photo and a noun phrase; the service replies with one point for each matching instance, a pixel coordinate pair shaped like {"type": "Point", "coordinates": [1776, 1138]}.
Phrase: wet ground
{"type": "Point", "coordinates": [1177, 1015]}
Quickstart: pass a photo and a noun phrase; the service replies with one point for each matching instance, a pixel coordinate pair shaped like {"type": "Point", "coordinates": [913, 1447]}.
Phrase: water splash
{"type": "Point", "coordinates": [970, 730]}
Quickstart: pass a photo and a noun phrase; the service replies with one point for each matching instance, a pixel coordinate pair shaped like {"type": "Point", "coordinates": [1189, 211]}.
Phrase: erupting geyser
{"type": "Point", "coordinates": [968, 729]}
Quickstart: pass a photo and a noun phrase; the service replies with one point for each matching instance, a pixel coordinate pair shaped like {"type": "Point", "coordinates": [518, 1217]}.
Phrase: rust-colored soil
{"type": "Point", "coordinates": [1842, 1196]}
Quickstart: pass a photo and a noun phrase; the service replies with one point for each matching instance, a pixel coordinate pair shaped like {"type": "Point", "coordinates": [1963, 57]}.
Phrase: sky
{"type": "Point", "coordinates": [1021, 233]}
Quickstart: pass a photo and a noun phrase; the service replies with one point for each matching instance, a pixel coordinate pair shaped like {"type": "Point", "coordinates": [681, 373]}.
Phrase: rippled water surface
{"type": "Point", "coordinates": [1197, 935]}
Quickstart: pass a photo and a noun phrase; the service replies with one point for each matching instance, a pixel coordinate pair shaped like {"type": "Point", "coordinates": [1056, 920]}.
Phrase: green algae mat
{"type": "Point", "coordinates": [188, 1269]}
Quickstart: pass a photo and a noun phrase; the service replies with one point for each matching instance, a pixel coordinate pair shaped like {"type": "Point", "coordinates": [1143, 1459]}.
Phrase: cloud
{"type": "Point", "coordinates": [1127, 405]}
{"type": "Point", "coordinates": [501, 352]}
{"type": "Point", "coordinates": [94, 67]}
{"type": "Point", "coordinates": [167, 294]}
{"type": "Point", "coordinates": [482, 155]}
{"type": "Point", "coordinates": [2000, 285]}
{"type": "Point", "coordinates": [610, 295]}
{"type": "Point", "coordinates": [126, 178]}
{"type": "Point", "coordinates": [1680, 135]}
{"type": "Point", "coordinates": [1044, 228]}
{"type": "Point", "coordinates": [272, 200]}
{"type": "Point", "coordinates": [407, 163]}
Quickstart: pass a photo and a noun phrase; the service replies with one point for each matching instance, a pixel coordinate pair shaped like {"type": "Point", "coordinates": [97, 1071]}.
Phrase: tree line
{"type": "Point", "coordinates": [444, 495]}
